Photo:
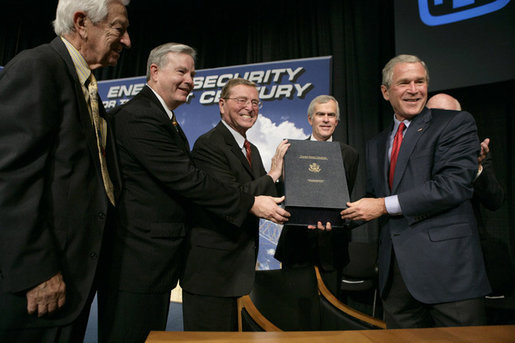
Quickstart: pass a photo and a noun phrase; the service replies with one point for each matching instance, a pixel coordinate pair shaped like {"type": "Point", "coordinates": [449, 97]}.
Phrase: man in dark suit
{"type": "Point", "coordinates": [301, 247]}
{"type": "Point", "coordinates": [55, 188]}
{"type": "Point", "coordinates": [160, 182]}
{"type": "Point", "coordinates": [431, 270]}
{"type": "Point", "coordinates": [221, 260]}
{"type": "Point", "coordinates": [488, 193]}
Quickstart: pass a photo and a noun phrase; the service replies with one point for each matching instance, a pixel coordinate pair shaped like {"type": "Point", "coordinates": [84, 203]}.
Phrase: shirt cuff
{"type": "Point", "coordinates": [479, 171]}
{"type": "Point", "coordinates": [392, 205]}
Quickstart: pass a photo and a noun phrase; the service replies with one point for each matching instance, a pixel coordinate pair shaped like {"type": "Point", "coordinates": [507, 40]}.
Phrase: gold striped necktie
{"type": "Point", "coordinates": [101, 135]}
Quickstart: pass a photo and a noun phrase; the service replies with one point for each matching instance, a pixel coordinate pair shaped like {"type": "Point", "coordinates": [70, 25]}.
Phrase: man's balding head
{"type": "Point", "coordinates": [443, 101]}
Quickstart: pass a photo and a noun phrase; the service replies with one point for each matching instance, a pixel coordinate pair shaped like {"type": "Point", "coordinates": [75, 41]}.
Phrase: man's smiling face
{"type": "Point", "coordinates": [240, 116]}
{"type": "Point", "coordinates": [408, 91]}
{"type": "Point", "coordinates": [324, 120]}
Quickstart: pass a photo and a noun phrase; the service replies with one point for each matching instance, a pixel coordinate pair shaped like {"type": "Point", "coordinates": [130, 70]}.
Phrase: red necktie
{"type": "Point", "coordinates": [246, 144]}
{"type": "Point", "coordinates": [395, 152]}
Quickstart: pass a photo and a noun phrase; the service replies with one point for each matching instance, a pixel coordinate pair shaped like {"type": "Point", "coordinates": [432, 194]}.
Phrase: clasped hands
{"type": "Point", "coordinates": [364, 209]}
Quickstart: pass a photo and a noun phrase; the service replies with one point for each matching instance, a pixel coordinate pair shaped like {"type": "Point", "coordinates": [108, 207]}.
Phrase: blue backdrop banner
{"type": "Point", "coordinates": [285, 87]}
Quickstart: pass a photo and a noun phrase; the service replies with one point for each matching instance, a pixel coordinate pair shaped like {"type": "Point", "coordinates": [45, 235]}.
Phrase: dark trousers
{"type": "Point", "coordinates": [206, 313]}
{"type": "Point", "coordinates": [404, 311]}
{"type": "Point", "coordinates": [301, 248]}
{"type": "Point", "coordinates": [126, 317]}
{"type": "Point", "coordinates": [73, 332]}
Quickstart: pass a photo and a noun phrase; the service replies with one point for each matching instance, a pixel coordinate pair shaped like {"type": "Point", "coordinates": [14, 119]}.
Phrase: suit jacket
{"type": "Point", "coordinates": [488, 193]}
{"type": "Point", "coordinates": [435, 240]}
{"type": "Point", "coordinates": [222, 257]}
{"type": "Point", "coordinates": [300, 246]}
{"type": "Point", "coordinates": [160, 182]}
{"type": "Point", "coordinates": [52, 199]}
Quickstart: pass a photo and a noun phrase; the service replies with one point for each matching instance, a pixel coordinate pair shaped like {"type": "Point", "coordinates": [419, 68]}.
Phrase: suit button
{"type": "Point", "coordinates": [101, 215]}
{"type": "Point", "coordinates": [93, 255]}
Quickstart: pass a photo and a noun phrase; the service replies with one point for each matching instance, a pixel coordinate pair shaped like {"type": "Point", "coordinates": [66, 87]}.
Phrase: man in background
{"type": "Point", "coordinates": [419, 173]}
{"type": "Point", "coordinates": [221, 261]}
{"type": "Point", "coordinates": [56, 184]}
{"type": "Point", "coordinates": [488, 193]}
{"type": "Point", "coordinates": [160, 183]}
{"type": "Point", "coordinates": [443, 101]}
{"type": "Point", "coordinates": [301, 247]}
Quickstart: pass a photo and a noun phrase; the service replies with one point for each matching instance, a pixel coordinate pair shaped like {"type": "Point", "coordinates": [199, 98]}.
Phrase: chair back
{"type": "Point", "coordinates": [288, 298]}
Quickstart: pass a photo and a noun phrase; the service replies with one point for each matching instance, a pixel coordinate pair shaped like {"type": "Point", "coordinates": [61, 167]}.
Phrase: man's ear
{"type": "Point", "coordinates": [79, 23]}
{"type": "Point", "coordinates": [385, 93]}
{"type": "Point", "coordinates": [221, 104]}
{"type": "Point", "coordinates": [153, 71]}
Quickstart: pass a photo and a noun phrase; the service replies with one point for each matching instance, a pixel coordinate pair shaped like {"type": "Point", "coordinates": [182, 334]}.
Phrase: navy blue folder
{"type": "Point", "coordinates": [314, 183]}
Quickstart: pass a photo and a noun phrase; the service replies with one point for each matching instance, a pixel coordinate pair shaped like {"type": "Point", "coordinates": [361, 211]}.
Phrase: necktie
{"type": "Point", "coordinates": [395, 152]}
{"type": "Point", "coordinates": [179, 131]}
{"type": "Point", "coordinates": [175, 123]}
{"type": "Point", "coordinates": [100, 133]}
{"type": "Point", "coordinates": [246, 144]}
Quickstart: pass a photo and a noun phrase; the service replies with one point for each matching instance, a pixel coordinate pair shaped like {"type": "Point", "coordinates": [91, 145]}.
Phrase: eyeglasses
{"type": "Point", "coordinates": [244, 101]}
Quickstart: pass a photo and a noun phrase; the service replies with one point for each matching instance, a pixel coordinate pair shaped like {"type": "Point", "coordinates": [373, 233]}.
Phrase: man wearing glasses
{"type": "Point", "coordinates": [160, 184]}
{"type": "Point", "coordinates": [221, 258]}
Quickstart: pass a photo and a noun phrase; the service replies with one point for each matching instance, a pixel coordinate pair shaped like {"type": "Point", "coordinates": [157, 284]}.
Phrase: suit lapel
{"type": "Point", "coordinates": [235, 149]}
{"type": "Point", "coordinates": [112, 160]}
{"type": "Point", "coordinates": [256, 161]}
{"type": "Point", "coordinates": [178, 135]}
{"type": "Point", "coordinates": [183, 138]}
{"type": "Point", "coordinates": [383, 161]}
{"type": "Point", "coordinates": [416, 129]}
{"type": "Point", "coordinates": [84, 118]}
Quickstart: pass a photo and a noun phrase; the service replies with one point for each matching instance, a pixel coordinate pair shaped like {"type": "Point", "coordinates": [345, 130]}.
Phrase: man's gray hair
{"type": "Point", "coordinates": [226, 90]}
{"type": "Point", "coordinates": [159, 55]}
{"type": "Point", "coordinates": [322, 99]}
{"type": "Point", "coordinates": [96, 11]}
{"type": "Point", "coordinates": [388, 68]}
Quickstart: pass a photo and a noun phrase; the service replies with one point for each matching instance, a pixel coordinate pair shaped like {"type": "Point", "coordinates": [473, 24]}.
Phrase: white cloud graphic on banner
{"type": "Point", "coordinates": [266, 135]}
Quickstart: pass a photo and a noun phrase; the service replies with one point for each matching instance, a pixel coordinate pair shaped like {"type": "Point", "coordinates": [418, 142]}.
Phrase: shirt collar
{"type": "Point", "coordinates": [169, 112]}
{"type": "Point", "coordinates": [397, 122]}
{"type": "Point", "coordinates": [237, 136]}
{"type": "Point", "coordinates": [311, 138]}
{"type": "Point", "coordinates": [81, 67]}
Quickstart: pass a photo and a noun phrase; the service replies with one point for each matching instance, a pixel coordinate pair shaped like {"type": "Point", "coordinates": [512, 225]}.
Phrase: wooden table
{"type": "Point", "coordinates": [479, 334]}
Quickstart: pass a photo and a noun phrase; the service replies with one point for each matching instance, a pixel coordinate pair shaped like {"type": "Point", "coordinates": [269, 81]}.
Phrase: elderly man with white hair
{"type": "Point", "coordinates": [56, 174]}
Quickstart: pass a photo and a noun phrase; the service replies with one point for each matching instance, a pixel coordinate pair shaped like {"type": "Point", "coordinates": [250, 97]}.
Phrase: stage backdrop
{"type": "Point", "coordinates": [285, 87]}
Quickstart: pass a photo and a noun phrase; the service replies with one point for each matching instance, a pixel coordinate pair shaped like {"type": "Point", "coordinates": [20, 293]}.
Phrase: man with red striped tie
{"type": "Point", "coordinates": [420, 173]}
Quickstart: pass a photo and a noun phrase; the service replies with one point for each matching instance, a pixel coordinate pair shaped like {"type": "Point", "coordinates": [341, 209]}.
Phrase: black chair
{"type": "Point", "coordinates": [359, 276]}
{"type": "Point", "coordinates": [297, 300]}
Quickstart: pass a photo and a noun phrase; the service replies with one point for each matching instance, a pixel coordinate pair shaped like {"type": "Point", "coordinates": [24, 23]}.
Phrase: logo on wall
{"type": "Point", "coordinates": [440, 12]}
